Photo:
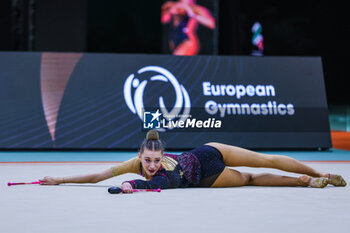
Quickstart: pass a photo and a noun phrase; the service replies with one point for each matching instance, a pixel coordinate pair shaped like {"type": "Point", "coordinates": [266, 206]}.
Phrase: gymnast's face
{"type": "Point", "coordinates": [151, 161]}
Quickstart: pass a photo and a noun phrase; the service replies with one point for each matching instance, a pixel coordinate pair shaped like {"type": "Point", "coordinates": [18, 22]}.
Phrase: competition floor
{"type": "Point", "coordinates": [90, 208]}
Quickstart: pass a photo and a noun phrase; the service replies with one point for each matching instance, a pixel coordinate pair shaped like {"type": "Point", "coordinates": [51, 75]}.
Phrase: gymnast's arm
{"type": "Point", "coordinates": [166, 12]}
{"type": "Point", "coordinates": [202, 15]}
{"type": "Point", "coordinates": [130, 166]}
{"type": "Point", "coordinates": [159, 181]}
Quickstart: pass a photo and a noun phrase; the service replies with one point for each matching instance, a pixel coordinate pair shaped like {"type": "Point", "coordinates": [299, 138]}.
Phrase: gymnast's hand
{"type": "Point", "coordinates": [127, 188]}
{"type": "Point", "coordinates": [48, 180]}
{"type": "Point", "coordinates": [188, 10]}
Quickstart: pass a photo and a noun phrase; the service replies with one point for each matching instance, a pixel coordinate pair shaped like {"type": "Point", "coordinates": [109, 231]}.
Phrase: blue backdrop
{"type": "Point", "coordinates": [77, 101]}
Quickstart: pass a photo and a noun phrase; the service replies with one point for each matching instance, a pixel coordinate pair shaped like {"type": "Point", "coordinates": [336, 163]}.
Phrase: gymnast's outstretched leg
{"type": "Point", "coordinates": [187, 48]}
{"type": "Point", "coordinates": [233, 178]}
{"type": "Point", "coordinates": [235, 156]}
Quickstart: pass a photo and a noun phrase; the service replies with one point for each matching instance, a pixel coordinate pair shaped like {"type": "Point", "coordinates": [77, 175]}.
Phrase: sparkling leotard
{"type": "Point", "coordinates": [196, 168]}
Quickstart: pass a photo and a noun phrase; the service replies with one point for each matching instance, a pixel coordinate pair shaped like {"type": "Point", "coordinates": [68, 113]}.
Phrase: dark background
{"type": "Point", "coordinates": [290, 28]}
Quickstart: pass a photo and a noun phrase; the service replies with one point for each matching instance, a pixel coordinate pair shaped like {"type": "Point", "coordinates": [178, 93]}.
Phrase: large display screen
{"type": "Point", "coordinates": [107, 101]}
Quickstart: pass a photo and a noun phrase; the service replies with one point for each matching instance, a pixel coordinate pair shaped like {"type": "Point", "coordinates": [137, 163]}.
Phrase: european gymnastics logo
{"type": "Point", "coordinates": [134, 94]}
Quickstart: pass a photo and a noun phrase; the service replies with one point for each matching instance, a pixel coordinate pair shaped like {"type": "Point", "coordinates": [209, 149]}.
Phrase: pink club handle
{"type": "Point", "coordinates": [147, 190]}
{"type": "Point", "coordinates": [35, 182]}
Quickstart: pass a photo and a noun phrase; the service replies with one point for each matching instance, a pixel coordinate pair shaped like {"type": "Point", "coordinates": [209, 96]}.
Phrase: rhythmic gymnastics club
{"type": "Point", "coordinates": [116, 190]}
{"type": "Point", "coordinates": [35, 182]}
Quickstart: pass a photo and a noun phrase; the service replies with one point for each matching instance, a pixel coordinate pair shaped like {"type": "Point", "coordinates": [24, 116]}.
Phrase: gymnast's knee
{"type": "Point", "coordinates": [248, 178]}
{"type": "Point", "coordinates": [211, 143]}
{"type": "Point", "coordinates": [271, 161]}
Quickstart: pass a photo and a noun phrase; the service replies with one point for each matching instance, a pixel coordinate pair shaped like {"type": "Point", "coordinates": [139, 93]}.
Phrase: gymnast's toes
{"type": "Point", "coordinates": [337, 180]}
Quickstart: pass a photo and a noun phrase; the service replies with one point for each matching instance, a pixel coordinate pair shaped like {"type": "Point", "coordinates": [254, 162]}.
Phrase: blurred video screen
{"type": "Point", "coordinates": [190, 27]}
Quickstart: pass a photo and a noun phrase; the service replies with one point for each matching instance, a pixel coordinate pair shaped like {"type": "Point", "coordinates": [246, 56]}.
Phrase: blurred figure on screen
{"type": "Point", "coordinates": [183, 17]}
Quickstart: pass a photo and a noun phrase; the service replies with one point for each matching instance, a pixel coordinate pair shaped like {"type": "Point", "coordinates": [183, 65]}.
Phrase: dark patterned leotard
{"type": "Point", "coordinates": [196, 168]}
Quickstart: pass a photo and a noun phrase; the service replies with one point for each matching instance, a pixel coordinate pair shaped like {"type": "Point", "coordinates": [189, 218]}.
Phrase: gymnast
{"type": "Point", "coordinates": [183, 17]}
{"type": "Point", "coordinates": [205, 166]}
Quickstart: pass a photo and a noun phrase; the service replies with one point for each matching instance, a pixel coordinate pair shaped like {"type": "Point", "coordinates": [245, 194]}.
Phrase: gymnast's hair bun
{"type": "Point", "coordinates": [152, 135]}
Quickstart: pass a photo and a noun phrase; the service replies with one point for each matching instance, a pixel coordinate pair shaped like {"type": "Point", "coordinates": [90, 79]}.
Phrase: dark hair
{"type": "Point", "coordinates": [152, 142]}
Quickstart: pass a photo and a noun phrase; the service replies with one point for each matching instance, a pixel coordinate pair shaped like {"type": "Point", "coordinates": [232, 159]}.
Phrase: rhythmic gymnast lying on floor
{"type": "Point", "coordinates": [205, 166]}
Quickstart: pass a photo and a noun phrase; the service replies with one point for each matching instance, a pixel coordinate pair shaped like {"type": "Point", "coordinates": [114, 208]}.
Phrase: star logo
{"type": "Point", "coordinates": [156, 115]}
{"type": "Point", "coordinates": [152, 120]}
